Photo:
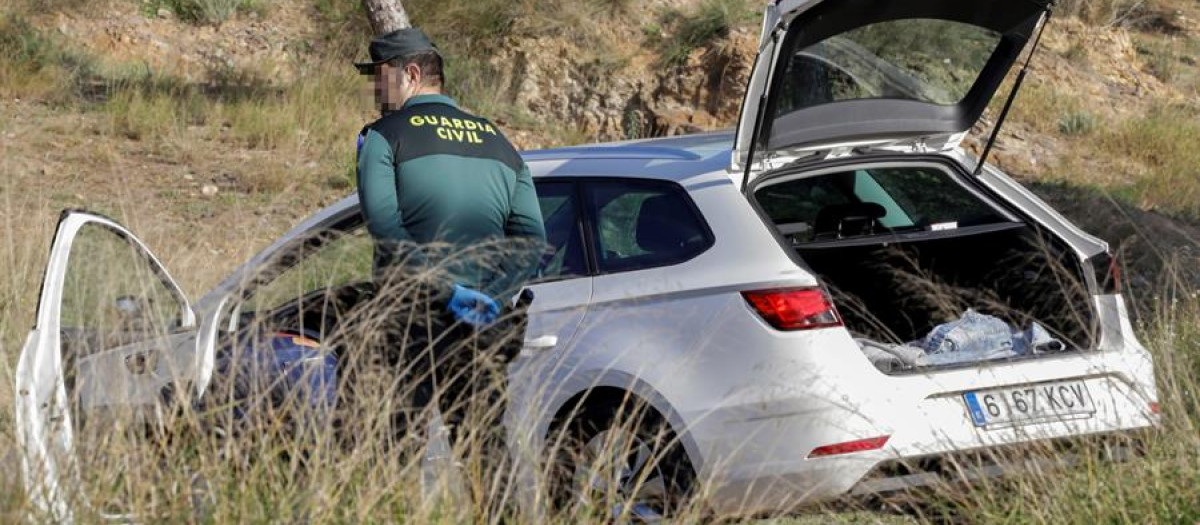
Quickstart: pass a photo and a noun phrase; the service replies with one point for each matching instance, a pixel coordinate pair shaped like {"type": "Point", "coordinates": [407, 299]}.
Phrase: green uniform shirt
{"type": "Point", "coordinates": [431, 174]}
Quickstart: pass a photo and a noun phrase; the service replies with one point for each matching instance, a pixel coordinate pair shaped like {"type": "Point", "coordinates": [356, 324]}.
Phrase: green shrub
{"type": "Point", "coordinates": [1077, 123]}
{"type": "Point", "coordinates": [207, 11]}
{"type": "Point", "coordinates": [710, 21]}
{"type": "Point", "coordinates": [34, 66]}
{"type": "Point", "coordinates": [1100, 12]}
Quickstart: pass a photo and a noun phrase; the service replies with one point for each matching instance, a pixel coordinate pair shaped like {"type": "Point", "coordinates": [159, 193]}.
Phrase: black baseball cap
{"type": "Point", "coordinates": [398, 43]}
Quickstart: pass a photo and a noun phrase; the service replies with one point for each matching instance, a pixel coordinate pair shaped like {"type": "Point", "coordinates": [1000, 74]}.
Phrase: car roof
{"type": "Point", "coordinates": [676, 159]}
{"type": "Point", "coordinates": [686, 160]}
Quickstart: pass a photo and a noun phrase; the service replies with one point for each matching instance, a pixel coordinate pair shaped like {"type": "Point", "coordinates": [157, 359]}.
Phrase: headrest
{"type": "Point", "coordinates": [665, 223]}
{"type": "Point", "coordinates": [849, 218]}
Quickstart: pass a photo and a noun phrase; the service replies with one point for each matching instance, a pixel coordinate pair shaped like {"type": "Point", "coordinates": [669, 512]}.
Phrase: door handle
{"type": "Point", "coordinates": [540, 344]}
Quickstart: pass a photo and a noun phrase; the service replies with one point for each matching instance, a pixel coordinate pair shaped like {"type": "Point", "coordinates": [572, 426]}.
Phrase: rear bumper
{"type": "Point", "coordinates": [900, 475]}
{"type": "Point", "coordinates": [756, 451]}
{"type": "Point", "coordinates": [770, 470]}
{"type": "Point", "coordinates": [771, 473]}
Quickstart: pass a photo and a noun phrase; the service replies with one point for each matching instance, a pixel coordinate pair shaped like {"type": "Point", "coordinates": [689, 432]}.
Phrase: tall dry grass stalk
{"type": "Point", "coordinates": [255, 449]}
{"type": "Point", "coordinates": [262, 445]}
{"type": "Point", "coordinates": [1101, 12]}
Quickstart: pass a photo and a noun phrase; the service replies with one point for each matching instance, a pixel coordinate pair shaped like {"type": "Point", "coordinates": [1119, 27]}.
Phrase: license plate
{"type": "Point", "coordinates": [1004, 407]}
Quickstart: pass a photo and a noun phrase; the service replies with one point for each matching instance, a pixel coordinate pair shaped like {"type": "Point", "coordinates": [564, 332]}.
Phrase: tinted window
{"type": "Point", "coordinates": [560, 211]}
{"type": "Point", "coordinates": [642, 224]}
{"type": "Point", "coordinates": [867, 202]}
{"type": "Point", "coordinates": [926, 60]}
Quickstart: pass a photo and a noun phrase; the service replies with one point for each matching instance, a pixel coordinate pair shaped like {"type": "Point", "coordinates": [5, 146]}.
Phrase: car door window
{"type": "Point", "coordinates": [112, 296]}
{"type": "Point", "coordinates": [929, 196]}
{"type": "Point", "coordinates": [644, 224]}
{"type": "Point", "coordinates": [560, 212]}
{"type": "Point", "coordinates": [343, 258]}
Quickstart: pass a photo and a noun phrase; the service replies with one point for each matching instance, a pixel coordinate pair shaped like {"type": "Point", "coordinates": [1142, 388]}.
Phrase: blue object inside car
{"type": "Point", "coordinates": [269, 371]}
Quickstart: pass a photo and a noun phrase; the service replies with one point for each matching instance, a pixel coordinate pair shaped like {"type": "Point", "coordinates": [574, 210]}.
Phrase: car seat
{"type": "Point", "coordinates": [838, 221]}
{"type": "Point", "coordinates": [666, 228]}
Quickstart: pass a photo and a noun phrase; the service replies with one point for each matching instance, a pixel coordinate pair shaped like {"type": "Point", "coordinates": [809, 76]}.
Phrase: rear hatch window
{"type": "Point", "coordinates": [925, 60]}
{"type": "Point", "coordinates": [850, 71]}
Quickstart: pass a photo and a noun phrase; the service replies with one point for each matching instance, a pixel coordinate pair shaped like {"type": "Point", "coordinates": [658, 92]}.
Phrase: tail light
{"type": "Point", "coordinates": [1107, 268]}
{"type": "Point", "coordinates": [849, 447]}
{"type": "Point", "coordinates": [794, 308]}
{"type": "Point", "coordinates": [1114, 273]}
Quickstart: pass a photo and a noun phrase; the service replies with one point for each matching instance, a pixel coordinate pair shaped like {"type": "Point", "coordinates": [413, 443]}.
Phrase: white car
{"type": "Point", "coordinates": [764, 293]}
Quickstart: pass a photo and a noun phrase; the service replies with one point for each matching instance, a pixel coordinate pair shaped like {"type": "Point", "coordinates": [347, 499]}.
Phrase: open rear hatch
{"type": "Point", "coordinates": [856, 72]}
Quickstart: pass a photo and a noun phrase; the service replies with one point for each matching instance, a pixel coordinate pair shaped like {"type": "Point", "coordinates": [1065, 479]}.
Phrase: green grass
{"type": "Point", "coordinates": [206, 11]}
{"type": "Point", "coordinates": [1150, 159]}
{"type": "Point", "coordinates": [1166, 142]}
{"type": "Point", "coordinates": [34, 66]}
{"type": "Point", "coordinates": [687, 31]}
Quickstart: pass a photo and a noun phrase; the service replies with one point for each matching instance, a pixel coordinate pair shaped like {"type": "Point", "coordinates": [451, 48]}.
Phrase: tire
{"type": "Point", "coordinates": [624, 462]}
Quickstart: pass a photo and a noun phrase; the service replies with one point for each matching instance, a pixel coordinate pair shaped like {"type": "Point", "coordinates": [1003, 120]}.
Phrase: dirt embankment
{"type": "Point", "coordinates": [612, 85]}
{"type": "Point", "coordinates": [638, 96]}
{"type": "Point", "coordinates": [124, 33]}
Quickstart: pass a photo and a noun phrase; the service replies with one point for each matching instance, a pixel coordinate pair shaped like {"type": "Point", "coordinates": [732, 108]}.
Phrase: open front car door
{"type": "Point", "coordinates": [114, 343]}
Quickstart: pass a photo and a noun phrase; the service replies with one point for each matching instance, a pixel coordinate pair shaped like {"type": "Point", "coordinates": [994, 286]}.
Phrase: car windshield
{"type": "Point", "coordinates": [925, 60]}
{"type": "Point", "coordinates": [872, 201]}
{"type": "Point", "coordinates": [339, 259]}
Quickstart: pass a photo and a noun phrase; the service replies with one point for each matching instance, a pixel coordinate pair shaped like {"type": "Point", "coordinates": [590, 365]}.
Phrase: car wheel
{"type": "Point", "coordinates": [621, 462]}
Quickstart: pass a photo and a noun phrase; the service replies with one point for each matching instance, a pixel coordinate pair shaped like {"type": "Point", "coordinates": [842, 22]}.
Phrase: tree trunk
{"type": "Point", "coordinates": [386, 15]}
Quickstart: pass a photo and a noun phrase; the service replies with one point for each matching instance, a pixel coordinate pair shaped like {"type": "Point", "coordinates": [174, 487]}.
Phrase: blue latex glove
{"type": "Point", "coordinates": [473, 307]}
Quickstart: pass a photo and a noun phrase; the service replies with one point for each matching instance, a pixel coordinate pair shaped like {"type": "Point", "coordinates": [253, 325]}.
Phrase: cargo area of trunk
{"type": "Point", "coordinates": [897, 292]}
{"type": "Point", "coordinates": [904, 248]}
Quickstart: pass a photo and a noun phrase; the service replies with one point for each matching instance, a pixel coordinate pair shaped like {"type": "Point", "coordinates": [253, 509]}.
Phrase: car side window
{"type": "Point", "coordinates": [564, 235]}
{"type": "Point", "coordinates": [344, 259]}
{"type": "Point", "coordinates": [644, 224]}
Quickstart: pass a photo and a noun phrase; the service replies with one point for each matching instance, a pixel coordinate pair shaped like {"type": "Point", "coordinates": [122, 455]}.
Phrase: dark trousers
{"type": "Point", "coordinates": [434, 361]}
{"type": "Point", "coordinates": [463, 371]}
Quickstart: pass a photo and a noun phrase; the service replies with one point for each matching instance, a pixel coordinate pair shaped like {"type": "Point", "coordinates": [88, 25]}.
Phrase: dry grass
{"type": "Point", "coordinates": [1158, 488]}
{"type": "Point", "coordinates": [264, 135]}
{"type": "Point", "coordinates": [678, 33]}
{"type": "Point", "coordinates": [203, 464]}
{"type": "Point", "coordinates": [207, 11]}
{"type": "Point", "coordinates": [1101, 12]}
{"type": "Point", "coordinates": [1044, 107]}
{"type": "Point", "coordinates": [1166, 142]}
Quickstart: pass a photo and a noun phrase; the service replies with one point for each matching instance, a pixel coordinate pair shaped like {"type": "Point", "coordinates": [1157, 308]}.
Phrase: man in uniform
{"type": "Point", "coordinates": [456, 222]}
